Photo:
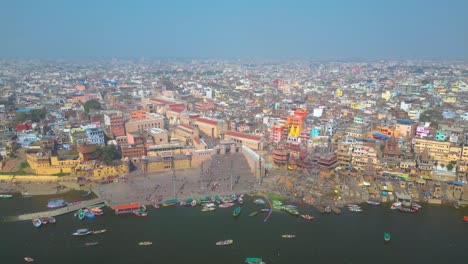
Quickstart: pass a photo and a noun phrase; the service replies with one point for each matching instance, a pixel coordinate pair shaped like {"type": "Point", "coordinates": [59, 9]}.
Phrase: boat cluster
{"type": "Point", "coordinates": [89, 212]}
{"type": "Point", "coordinates": [406, 207]}
{"type": "Point", "coordinates": [38, 222]}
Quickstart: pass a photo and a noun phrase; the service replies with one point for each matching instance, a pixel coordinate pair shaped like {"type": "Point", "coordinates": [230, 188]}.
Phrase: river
{"type": "Point", "coordinates": [186, 235]}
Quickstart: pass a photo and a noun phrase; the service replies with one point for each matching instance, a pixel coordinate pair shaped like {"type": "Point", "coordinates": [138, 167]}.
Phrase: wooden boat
{"type": "Point", "coordinates": [193, 203]}
{"type": "Point", "coordinates": [99, 231]}
{"type": "Point", "coordinates": [236, 211]}
{"type": "Point", "coordinates": [52, 220]}
{"type": "Point", "coordinates": [208, 209]}
{"type": "Point", "coordinates": [44, 220]}
{"type": "Point", "coordinates": [6, 196]}
{"type": "Point", "coordinates": [386, 237]}
{"type": "Point", "coordinates": [375, 203]}
{"type": "Point", "coordinates": [140, 213]}
{"type": "Point", "coordinates": [90, 244]}
{"type": "Point", "coordinates": [145, 243]}
{"type": "Point", "coordinates": [254, 213]}
{"type": "Point", "coordinates": [82, 232]}
{"type": "Point", "coordinates": [407, 210]}
{"type": "Point", "coordinates": [265, 210]}
{"type": "Point", "coordinates": [56, 203]}
{"type": "Point", "coordinates": [259, 201]}
{"type": "Point", "coordinates": [395, 206]}
{"type": "Point", "coordinates": [81, 215]}
{"type": "Point", "coordinates": [225, 205]}
{"type": "Point", "coordinates": [170, 202]}
{"type": "Point", "coordinates": [37, 222]}
{"type": "Point", "coordinates": [73, 203]}
{"type": "Point", "coordinates": [90, 214]}
{"type": "Point", "coordinates": [288, 236]}
{"type": "Point", "coordinates": [308, 217]}
{"type": "Point", "coordinates": [327, 209]}
{"type": "Point", "coordinates": [224, 242]}
{"type": "Point", "coordinates": [254, 261]}
{"type": "Point", "coordinates": [28, 259]}
{"type": "Point", "coordinates": [240, 200]}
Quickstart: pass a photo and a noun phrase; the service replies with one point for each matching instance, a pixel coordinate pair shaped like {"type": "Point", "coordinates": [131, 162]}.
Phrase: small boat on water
{"type": "Point", "coordinates": [265, 210]}
{"type": "Point", "coordinates": [36, 222]}
{"type": "Point", "coordinates": [82, 232]}
{"type": "Point", "coordinates": [465, 218]}
{"type": "Point", "coordinates": [44, 220]}
{"type": "Point", "coordinates": [73, 203]}
{"type": "Point", "coordinates": [407, 210]}
{"type": "Point", "coordinates": [145, 243]}
{"type": "Point", "coordinates": [99, 231]}
{"type": "Point", "coordinates": [28, 259]}
{"type": "Point", "coordinates": [416, 206]}
{"type": "Point", "coordinates": [90, 214]}
{"type": "Point", "coordinates": [6, 196]}
{"type": "Point", "coordinates": [208, 209]}
{"type": "Point", "coordinates": [254, 261]}
{"type": "Point", "coordinates": [291, 211]}
{"type": "Point", "coordinates": [81, 215]}
{"type": "Point", "coordinates": [308, 217]}
{"type": "Point", "coordinates": [254, 213]}
{"type": "Point", "coordinates": [224, 242]}
{"type": "Point", "coordinates": [240, 200]}
{"type": "Point", "coordinates": [225, 205]}
{"type": "Point", "coordinates": [193, 203]}
{"type": "Point", "coordinates": [395, 206]}
{"type": "Point", "coordinates": [51, 220]}
{"type": "Point", "coordinates": [355, 209]}
{"type": "Point", "coordinates": [56, 203]}
{"type": "Point", "coordinates": [236, 211]}
{"type": "Point", "coordinates": [386, 237]}
{"type": "Point", "coordinates": [90, 244]}
{"type": "Point", "coordinates": [327, 209]}
{"type": "Point", "coordinates": [288, 236]}
{"type": "Point", "coordinates": [170, 202]}
{"type": "Point", "coordinates": [259, 201]}
{"type": "Point", "coordinates": [375, 203]}
{"type": "Point", "coordinates": [140, 213]}
{"type": "Point", "coordinates": [88, 193]}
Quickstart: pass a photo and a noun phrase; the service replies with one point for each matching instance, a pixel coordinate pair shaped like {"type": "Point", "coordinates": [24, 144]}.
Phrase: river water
{"type": "Point", "coordinates": [186, 235]}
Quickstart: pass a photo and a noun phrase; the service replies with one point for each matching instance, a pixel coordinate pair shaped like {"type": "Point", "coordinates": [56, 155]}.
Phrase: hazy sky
{"type": "Point", "coordinates": [326, 29]}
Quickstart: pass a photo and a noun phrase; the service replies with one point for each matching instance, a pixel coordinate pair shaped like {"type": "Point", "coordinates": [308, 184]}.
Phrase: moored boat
{"type": "Point", "coordinates": [288, 236]}
{"type": "Point", "coordinates": [99, 231]}
{"type": "Point", "coordinates": [51, 220]}
{"type": "Point", "coordinates": [407, 210]}
{"type": "Point", "coordinates": [386, 237]}
{"type": "Point", "coordinates": [37, 222]}
{"type": "Point", "coordinates": [140, 213]}
{"type": "Point", "coordinates": [327, 209]}
{"type": "Point", "coordinates": [208, 209]}
{"type": "Point", "coordinates": [56, 203]}
{"type": "Point", "coordinates": [291, 211]}
{"type": "Point", "coordinates": [236, 211]}
{"type": "Point", "coordinates": [375, 203]}
{"type": "Point", "coordinates": [259, 201]}
{"type": "Point", "coordinates": [193, 203]}
{"type": "Point", "coordinates": [44, 220]}
{"type": "Point", "coordinates": [81, 215]}
{"type": "Point", "coordinates": [28, 259]}
{"type": "Point", "coordinates": [254, 261]}
{"type": "Point", "coordinates": [265, 210]}
{"type": "Point", "coordinates": [240, 200]}
{"type": "Point", "coordinates": [170, 202]}
{"type": "Point", "coordinates": [90, 214]}
{"type": "Point", "coordinates": [6, 196]}
{"type": "Point", "coordinates": [308, 217]}
{"type": "Point", "coordinates": [224, 242]}
{"type": "Point", "coordinates": [90, 244]}
{"type": "Point", "coordinates": [395, 205]}
{"type": "Point", "coordinates": [82, 232]}
{"type": "Point", "coordinates": [225, 205]}
{"type": "Point", "coordinates": [145, 243]}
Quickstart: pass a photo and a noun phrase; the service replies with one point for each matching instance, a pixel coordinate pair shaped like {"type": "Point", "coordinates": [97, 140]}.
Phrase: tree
{"type": "Point", "coordinates": [92, 104]}
{"type": "Point", "coordinates": [106, 154]}
{"type": "Point", "coordinates": [430, 115]}
{"type": "Point", "coordinates": [450, 166]}
{"type": "Point", "coordinates": [38, 114]}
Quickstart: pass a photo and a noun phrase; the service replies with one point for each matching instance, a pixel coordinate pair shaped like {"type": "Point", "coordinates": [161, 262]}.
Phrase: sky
{"type": "Point", "coordinates": [326, 29]}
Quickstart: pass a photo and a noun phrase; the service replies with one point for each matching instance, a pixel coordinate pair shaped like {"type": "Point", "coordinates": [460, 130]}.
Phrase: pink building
{"type": "Point", "coordinates": [423, 131]}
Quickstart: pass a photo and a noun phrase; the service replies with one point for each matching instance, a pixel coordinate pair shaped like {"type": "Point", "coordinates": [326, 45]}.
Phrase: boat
{"type": "Point", "coordinates": [193, 203]}
{"type": "Point", "coordinates": [73, 203]}
{"type": "Point", "coordinates": [96, 210]}
{"type": "Point", "coordinates": [288, 236]}
{"type": "Point", "coordinates": [375, 203]}
{"type": "Point", "coordinates": [254, 213]}
{"type": "Point", "coordinates": [140, 213]}
{"type": "Point", "coordinates": [386, 237]}
{"type": "Point", "coordinates": [236, 211]}
{"type": "Point", "coordinates": [90, 244]}
{"type": "Point", "coordinates": [265, 210]}
{"type": "Point", "coordinates": [170, 202]}
{"type": "Point", "coordinates": [99, 231]}
{"type": "Point", "coordinates": [355, 209]}
{"type": "Point", "coordinates": [240, 200]}
{"type": "Point", "coordinates": [44, 220]}
{"type": "Point", "coordinates": [145, 243]}
{"type": "Point", "coordinates": [224, 242]}
{"type": "Point", "coordinates": [416, 206]}
{"type": "Point", "coordinates": [234, 197]}
{"type": "Point", "coordinates": [52, 220]}
{"type": "Point", "coordinates": [291, 210]}
{"type": "Point", "coordinates": [225, 205]}
{"type": "Point", "coordinates": [127, 208]}
{"type": "Point", "coordinates": [37, 222]}
{"type": "Point", "coordinates": [86, 194]}
{"type": "Point", "coordinates": [395, 205]}
{"type": "Point", "coordinates": [308, 217]}
{"type": "Point", "coordinates": [407, 210]}
{"type": "Point", "coordinates": [406, 203]}
{"type": "Point", "coordinates": [89, 214]}
{"type": "Point", "coordinates": [259, 201]}
{"type": "Point", "coordinates": [208, 209]}
{"type": "Point", "coordinates": [56, 203]}
{"type": "Point", "coordinates": [465, 218]}
{"type": "Point", "coordinates": [327, 209]}
{"type": "Point", "coordinates": [82, 232]}
{"type": "Point", "coordinates": [6, 196]}
{"type": "Point", "coordinates": [182, 203]}
{"type": "Point", "coordinates": [28, 259]}
{"type": "Point", "coordinates": [81, 215]}
{"type": "Point", "coordinates": [254, 261]}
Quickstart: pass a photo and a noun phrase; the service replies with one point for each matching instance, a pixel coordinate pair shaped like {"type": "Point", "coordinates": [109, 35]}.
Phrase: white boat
{"type": "Point", "coordinates": [373, 203]}
{"type": "Point", "coordinates": [37, 222]}
{"type": "Point", "coordinates": [90, 244]}
{"type": "Point", "coordinates": [288, 236]}
{"type": "Point", "coordinates": [259, 201]}
{"type": "Point", "coordinates": [224, 242]}
{"type": "Point", "coordinates": [6, 196]}
{"type": "Point", "coordinates": [145, 243]}
{"type": "Point", "coordinates": [208, 209]}
{"type": "Point", "coordinates": [28, 259]}
{"type": "Point", "coordinates": [193, 203]}
{"type": "Point", "coordinates": [395, 206]}
{"type": "Point", "coordinates": [99, 231]}
{"type": "Point", "coordinates": [82, 232]}
{"type": "Point", "coordinates": [353, 209]}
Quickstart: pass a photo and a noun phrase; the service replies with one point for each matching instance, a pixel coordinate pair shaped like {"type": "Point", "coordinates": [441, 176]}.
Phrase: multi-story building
{"type": "Point", "coordinates": [251, 141]}
{"type": "Point", "coordinates": [95, 136]}
{"type": "Point", "coordinates": [186, 133]}
{"type": "Point", "coordinates": [405, 128]}
{"type": "Point", "coordinates": [115, 122]}
{"type": "Point", "coordinates": [151, 121]}
{"type": "Point", "coordinates": [407, 88]}
{"type": "Point", "coordinates": [212, 127]}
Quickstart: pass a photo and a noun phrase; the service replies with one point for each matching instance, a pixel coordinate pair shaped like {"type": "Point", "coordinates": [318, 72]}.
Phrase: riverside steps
{"type": "Point", "coordinates": [56, 212]}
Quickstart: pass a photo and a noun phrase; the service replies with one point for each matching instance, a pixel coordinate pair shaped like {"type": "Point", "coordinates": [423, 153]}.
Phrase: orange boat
{"type": "Point", "coordinates": [127, 208]}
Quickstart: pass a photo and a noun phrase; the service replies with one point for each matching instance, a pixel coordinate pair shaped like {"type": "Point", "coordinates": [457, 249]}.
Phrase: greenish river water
{"type": "Point", "coordinates": [186, 235]}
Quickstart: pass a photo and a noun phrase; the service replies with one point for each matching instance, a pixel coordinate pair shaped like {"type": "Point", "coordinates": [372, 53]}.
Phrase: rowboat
{"type": "Point", "coordinates": [395, 206]}
{"type": "Point", "coordinates": [82, 232]}
{"type": "Point", "coordinates": [193, 203]}
{"type": "Point", "coordinates": [145, 243]}
{"type": "Point", "coordinates": [288, 236]}
{"type": "Point", "coordinates": [373, 203]}
{"type": "Point", "coordinates": [259, 201]}
{"type": "Point", "coordinates": [81, 215]}
{"type": "Point", "coordinates": [254, 261]}
{"type": "Point", "coordinates": [327, 209]}
{"type": "Point", "coordinates": [56, 203]}
{"type": "Point", "coordinates": [90, 244]}
{"type": "Point", "coordinates": [99, 231]}
{"type": "Point", "coordinates": [51, 220]}
{"type": "Point", "coordinates": [407, 210]}
{"type": "Point", "coordinates": [6, 196]}
{"type": "Point", "coordinates": [208, 209]}
{"type": "Point", "coordinates": [253, 214]}
{"type": "Point", "coordinates": [240, 200]}
{"type": "Point", "coordinates": [89, 214]}
{"type": "Point", "coordinates": [140, 213]}
{"type": "Point", "coordinates": [386, 237]}
{"type": "Point", "coordinates": [36, 222]}
{"type": "Point", "coordinates": [170, 202]}
{"type": "Point", "coordinates": [308, 217]}
{"type": "Point", "coordinates": [28, 259]}
{"type": "Point", "coordinates": [44, 220]}
{"type": "Point", "coordinates": [224, 242]}
{"type": "Point", "coordinates": [225, 205]}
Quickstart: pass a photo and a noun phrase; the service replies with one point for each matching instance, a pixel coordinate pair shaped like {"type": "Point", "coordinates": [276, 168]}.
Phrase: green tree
{"type": "Point", "coordinates": [106, 154]}
{"type": "Point", "coordinates": [38, 114]}
{"type": "Point", "coordinates": [21, 117]}
{"type": "Point", "coordinates": [92, 104]}
{"type": "Point", "coordinates": [430, 115]}
{"type": "Point", "coordinates": [450, 166]}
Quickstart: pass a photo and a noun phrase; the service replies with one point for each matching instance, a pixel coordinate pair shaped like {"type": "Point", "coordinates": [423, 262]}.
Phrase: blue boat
{"type": "Point", "coordinates": [56, 203]}
{"type": "Point", "coordinates": [89, 214]}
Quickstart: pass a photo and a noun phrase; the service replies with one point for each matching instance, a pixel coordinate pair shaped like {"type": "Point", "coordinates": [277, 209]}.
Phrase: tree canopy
{"type": "Point", "coordinates": [106, 154]}
{"type": "Point", "coordinates": [430, 115]}
{"type": "Point", "coordinates": [35, 115]}
{"type": "Point", "coordinates": [91, 104]}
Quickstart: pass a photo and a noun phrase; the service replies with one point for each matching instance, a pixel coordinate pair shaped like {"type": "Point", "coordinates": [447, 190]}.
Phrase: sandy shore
{"type": "Point", "coordinates": [36, 188]}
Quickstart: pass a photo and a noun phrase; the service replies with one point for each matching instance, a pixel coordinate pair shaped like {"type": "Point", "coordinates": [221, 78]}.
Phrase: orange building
{"type": "Point", "coordinates": [137, 115]}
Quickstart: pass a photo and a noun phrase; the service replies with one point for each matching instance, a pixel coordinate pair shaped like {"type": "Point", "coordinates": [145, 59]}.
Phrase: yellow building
{"type": "Point", "coordinates": [387, 95]}
{"type": "Point", "coordinates": [354, 105]}
{"type": "Point", "coordinates": [438, 150]}
{"type": "Point", "coordinates": [449, 99]}
{"type": "Point", "coordinates": [48, 165]}
{"type": "Point", "coordinates": [339, 93]}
